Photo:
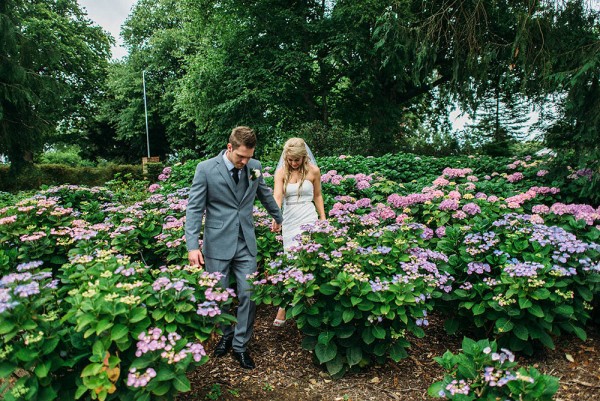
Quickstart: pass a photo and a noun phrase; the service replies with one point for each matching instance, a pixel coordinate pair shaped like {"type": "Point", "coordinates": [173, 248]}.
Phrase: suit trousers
{"type": "Point", "coordinates": [242, 264]}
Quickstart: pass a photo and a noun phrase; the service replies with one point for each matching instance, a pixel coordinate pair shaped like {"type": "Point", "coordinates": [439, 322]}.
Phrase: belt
{"type": "Point", "coordinates": [298, 203]}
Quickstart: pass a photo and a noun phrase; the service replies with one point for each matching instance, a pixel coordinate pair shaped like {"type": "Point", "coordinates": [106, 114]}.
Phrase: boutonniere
{"type": "Point", "coordinates": [254, 174]}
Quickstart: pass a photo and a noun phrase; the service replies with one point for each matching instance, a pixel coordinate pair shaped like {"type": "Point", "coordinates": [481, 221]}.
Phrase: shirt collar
{"type": "Point", "coordinates": [228, 162]}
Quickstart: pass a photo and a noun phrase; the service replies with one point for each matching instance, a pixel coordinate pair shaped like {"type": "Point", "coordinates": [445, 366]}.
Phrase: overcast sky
{"type": "Point", "coordinates": [110, 15]}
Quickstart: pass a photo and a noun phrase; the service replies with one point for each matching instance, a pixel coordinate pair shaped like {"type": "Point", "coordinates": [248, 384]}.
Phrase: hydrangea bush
{"type": "Point", "coordinates": [522, 280]}
{"type": "Point", "coordinates": [482, 371]}
{"type": "Point", "coordinates": [101, 271]}
{"type": "Point", "coordinates": [86, 332]}
{"type": "Point", "coordinates": [356, 298]}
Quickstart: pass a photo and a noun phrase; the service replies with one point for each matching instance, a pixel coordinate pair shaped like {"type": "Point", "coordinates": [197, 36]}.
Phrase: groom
{"type": "Point", "coordinates": [225, 188]}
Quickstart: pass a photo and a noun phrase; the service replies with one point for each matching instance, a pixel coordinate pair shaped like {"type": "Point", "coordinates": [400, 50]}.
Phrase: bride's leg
{"type": "Point", "coordinates": [280, 318]}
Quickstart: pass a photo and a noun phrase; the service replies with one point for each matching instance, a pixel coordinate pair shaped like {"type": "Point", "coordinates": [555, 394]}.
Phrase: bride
{"type": "Point", "coordinates": [298, 192]}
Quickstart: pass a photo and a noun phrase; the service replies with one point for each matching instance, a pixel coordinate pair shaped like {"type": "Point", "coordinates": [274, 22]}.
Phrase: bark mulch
{"type": "Point", "coordinates": [286, 372]}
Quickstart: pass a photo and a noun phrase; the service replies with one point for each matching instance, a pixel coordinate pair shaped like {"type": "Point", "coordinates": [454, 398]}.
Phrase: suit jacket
{"type": "Point", "coordinates": [214, 191]}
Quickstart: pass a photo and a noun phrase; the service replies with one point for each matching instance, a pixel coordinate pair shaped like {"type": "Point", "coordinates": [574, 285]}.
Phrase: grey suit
{"type": "Point", "coordinates": [229, 243]}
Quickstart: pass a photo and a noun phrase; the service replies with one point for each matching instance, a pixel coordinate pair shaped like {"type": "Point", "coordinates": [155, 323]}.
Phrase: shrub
{"type": "Point", "coordinates": [482, 372]}
{"type": "Point", "coordinates": [522, 280]}
{"type": "Point", "coordinates": [106, 327]}
{"type": "Point", "coordinates": [355, 297]}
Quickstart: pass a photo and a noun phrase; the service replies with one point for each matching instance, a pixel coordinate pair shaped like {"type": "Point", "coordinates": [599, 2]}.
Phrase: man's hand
{"type": "Point", "coordinates": [275, 227]}
{"type": "Point", "coordinates": [195, 258]}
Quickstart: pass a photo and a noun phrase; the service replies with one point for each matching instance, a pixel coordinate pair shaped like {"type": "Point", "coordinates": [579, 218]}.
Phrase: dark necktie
{"type": "Point", "coordinates": [235, 175]}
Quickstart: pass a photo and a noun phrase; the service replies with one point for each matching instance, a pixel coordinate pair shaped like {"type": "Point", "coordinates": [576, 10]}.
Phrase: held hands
{"type": "Point", "coordinates": [275, 227]}
{"type": "Point", "coordinates": [195, 258]}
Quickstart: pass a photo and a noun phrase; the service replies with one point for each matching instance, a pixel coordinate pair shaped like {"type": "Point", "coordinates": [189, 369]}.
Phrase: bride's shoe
{"type": "Point", "coordinates": [279, 322]}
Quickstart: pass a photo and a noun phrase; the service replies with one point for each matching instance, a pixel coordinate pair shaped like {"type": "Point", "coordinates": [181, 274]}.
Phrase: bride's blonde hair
{"type": "Point", "coordinates": [295, 148]}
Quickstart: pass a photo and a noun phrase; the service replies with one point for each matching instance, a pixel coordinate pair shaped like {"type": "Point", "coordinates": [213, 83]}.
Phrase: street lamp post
{"type": "Point", "coordinates": [146, 112]}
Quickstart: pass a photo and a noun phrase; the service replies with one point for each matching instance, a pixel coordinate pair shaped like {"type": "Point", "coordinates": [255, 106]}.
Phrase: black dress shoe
{"type": "Point", "coordinates": [223, 346]}
{"type": "Point", "coordinates": [244, 359]}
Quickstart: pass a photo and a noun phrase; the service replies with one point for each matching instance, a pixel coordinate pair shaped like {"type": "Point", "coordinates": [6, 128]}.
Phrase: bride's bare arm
{"type": "Point", "coordinates": [318, 195]}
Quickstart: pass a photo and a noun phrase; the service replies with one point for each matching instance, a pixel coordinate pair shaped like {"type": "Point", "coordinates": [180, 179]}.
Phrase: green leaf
{"type": "Point", "coordinates": [49, 345]}
{"type": "Point", "coordinates": [47, 394]}
{"type": "Point", "coordinates": [91, 370]}
{"type": "Point", "coordinates": [536, 310]}
{"type": "Point", "coordinates": [435, 389]}
{"type": "Point", "coordinates": [103, 325]}
{"type": "Point", "coordinates": [84, 320]}
{"type": "Point", "coordinates": [353, 355]}
{"type": "Point", "coordinates": [348, 315]}
{"type": "Point", "coordinates": [468, 345]}
{"type": "Point", "coordinates": [137, 314]}
{"type": "Point", "coordinates": [565, 310]}
{"type": "Point", "coordinates": [524, 303]}
{"type": "Point", "coordinates": [579, 332]}
{"type": "Point", "coordinates": [143, 397]}
{"type": "Point", "coordinates": [504, 325]}
{"type": "Point", "coordinates": [182, 384]}
{"type": "Point", "coordinates": [479, 309]}
{"type": "Point", "coordinates": [345, 331]}
{"type": "Point", "coordinates": [327, 289]}
{"type": "Point", "coordinates": [585, 292]}
{"type": "Point", "coordinates": [158, 314]}
{"type": "Point", "coordinates": [326, 337]}
{"type": "Point", "coordinates": [81, 390]}
{"type": "Point", "coordinates": [545, 339]}
{"type": "Point", "coordinates": [6, 368]}
{"type": "Point", "coordinates": [26, 355]}
{"type": "Point", "coordinates": [99, 349]}
{"type": "Point", "coordinates": [118, 332]}
{"type": "Point", "coordinates": [42, 369]}
{"type": "Point", "coordinates": [335, 367]}
{"type": "Point", "coordinates": [6, 327]}
{"type": "Point", "coordinates": [521, 245]}
{"type": "Point", "coordinates": [165, 374]}
{"type": "Point", "coordinates": [398, 352]}
{"type": "Point", "coordinates": [540, 293]}
{"type": "Point", "coordinates": [297, 309]}
{"type": "Point", "coordinates": [451, 325]}
{"type": "Point", "coordinates": [325, 352]}
{"type": "Point", "coordinates": [309, 343]}
{"type": "Point", "coordinates": [162, 389]}
{"type": "Point", "coordinates": [378, 332]}
{"type": "Point", "coordinates": [521, 332]}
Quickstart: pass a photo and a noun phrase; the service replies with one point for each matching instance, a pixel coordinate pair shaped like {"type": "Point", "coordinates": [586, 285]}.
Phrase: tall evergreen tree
{"type": "Point", "coordinates": [52, 61]}
{"type": "Point", "coordinates": [500, 121]}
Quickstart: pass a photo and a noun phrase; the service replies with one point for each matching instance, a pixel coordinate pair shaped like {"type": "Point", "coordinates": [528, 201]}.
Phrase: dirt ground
{"type": "Point", "coordinates": [285, 372]}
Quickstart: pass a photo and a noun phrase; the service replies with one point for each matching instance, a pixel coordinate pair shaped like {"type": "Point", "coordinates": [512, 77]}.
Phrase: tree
{"type": "Point", "coordinates": [500, 121]}
{"type": "Point", "coordinates": [153, 35]}
{"type": "Point", "coordinates": [362, 64]}
{"type": "Point", "coordinates": [53, 60]}
{"type": "Point", "coordinates": [340, 67]}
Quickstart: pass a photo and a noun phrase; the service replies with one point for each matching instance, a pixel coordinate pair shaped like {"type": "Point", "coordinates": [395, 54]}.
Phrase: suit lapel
{"type": "Point", "coordinates": [225, 174]}
{"type": "Point", "coordinates": [251, 183]}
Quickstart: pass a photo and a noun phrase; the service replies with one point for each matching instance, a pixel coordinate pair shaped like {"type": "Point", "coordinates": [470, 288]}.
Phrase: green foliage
{"type": "Point", "coordinates": [406, 236]}
{"type": "Point", "coordinates": [45, 80]}
{"type": "Point", "coordinates": [37, 176]}
{"type": "Point", "coordinates": [69, 156]}
{"type": "Point", "coordinates": [482, 372]}
{"type": "Point", "coordinates": [521, 291]}
{"type": "Point", "coordinates": [335, 72]}
{"type": "Point", "coordinates": [87, 342]}
{"type": "Point", "coordinates": [354, 307]}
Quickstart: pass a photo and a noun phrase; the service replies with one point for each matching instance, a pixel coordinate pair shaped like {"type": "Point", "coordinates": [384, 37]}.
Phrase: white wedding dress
{"type": "Point", "coordinates": [298, 209]}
